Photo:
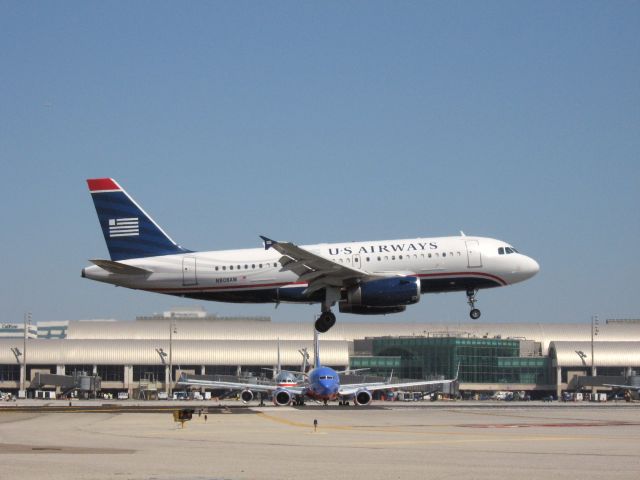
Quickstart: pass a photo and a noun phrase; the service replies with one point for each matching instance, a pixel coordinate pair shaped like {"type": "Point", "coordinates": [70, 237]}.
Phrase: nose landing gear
{"type": "Point", "coordinates": [471, 300]}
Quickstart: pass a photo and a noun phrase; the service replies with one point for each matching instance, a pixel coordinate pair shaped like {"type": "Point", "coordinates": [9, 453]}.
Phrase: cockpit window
{"type": "Point", "coordinates": [508, 250]}
{"type": "Point", "coordinates": [501, 251]}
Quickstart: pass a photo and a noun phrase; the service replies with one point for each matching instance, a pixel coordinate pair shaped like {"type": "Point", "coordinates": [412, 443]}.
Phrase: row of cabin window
{"type": "Point", "coordinates": [246, 267]}
{"type": "Point", "coordinates": [368, 259]}
{"type": "Point", "coordinates": [407, 257]}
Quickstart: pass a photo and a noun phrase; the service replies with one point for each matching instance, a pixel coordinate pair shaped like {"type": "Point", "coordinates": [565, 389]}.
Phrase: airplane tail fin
{"type": "Point", "coordinates": [305, 360]}
{"type": "Point", "coordinates": [128, 230]}
{"type": "Point", "coordinates": [316, 350]}
{"type": "Point", "coordinates": [279, 367]}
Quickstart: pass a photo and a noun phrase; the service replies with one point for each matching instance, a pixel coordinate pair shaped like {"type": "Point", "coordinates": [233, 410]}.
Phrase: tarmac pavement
{"type": "Point", "coordinates": [387, 441]}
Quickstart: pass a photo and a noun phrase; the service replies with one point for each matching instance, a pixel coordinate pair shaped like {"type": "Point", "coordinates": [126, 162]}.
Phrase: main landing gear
{"type": "Point", "coordinates": [327, 319]}
{"type": "Point", "coordinates": [471, 300]}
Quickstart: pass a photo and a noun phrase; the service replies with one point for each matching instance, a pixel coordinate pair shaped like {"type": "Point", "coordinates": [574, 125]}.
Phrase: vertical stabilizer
{"type": "Point", "coordinates": [279, 366]}
{"type": "Point", "coordinates": [316, 349]}
{"type": "Point", "coordinates": [128, 230]}
{"type": "Point", "coordinates": [305, 360]}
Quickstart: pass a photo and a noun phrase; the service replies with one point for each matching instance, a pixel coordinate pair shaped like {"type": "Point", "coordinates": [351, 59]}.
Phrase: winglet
{"type": "Point", "coordinates": [457, 372]}
{"type": "Point", "coordinates": [268, 243]}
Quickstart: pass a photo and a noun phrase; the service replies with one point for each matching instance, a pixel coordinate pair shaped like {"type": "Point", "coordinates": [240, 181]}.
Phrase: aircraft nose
{"type": "Point", "coordinates": [530, 267]}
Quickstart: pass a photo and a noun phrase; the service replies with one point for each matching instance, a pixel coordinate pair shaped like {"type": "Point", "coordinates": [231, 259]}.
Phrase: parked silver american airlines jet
{"type": "Point", "coordinates": [368, 278]}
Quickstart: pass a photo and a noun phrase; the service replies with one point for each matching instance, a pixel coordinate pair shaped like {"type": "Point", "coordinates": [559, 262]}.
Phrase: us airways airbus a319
{"type": "Point", "coordinates": [367, 278]}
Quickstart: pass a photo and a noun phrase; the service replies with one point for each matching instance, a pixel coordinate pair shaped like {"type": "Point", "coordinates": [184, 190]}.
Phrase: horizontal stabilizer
{"type": "Point", "coordinates": [117, 267]}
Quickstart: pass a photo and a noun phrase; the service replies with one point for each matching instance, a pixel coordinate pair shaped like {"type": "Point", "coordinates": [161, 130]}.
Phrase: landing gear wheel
{"type": "Point", "coordinates": [325, 322]}
{"type": "Point", "coordinates": [471, 300]}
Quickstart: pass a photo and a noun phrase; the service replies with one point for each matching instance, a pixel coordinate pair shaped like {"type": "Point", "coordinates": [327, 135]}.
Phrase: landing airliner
{"type": "Point", "coordinates": [322, 384]}
{"type": "Point", "coordinates": [368, 278]}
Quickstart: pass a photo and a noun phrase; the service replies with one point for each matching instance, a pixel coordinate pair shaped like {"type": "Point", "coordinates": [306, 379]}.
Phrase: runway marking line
{"type": "Point", "coordinates": [470, 440]}
{"type": "Point", "coordinates": [550, 425]}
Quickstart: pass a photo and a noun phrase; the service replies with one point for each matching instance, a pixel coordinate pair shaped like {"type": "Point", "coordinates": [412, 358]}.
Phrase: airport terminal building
{"type": "Point", "coordinates": [134, 356]}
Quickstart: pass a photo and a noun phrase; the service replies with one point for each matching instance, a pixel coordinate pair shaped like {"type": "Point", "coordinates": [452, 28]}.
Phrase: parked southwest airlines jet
{"type": "Point", "coordinates": [322, 384]}
{"type": "Point", "coordinates": [376, 277]}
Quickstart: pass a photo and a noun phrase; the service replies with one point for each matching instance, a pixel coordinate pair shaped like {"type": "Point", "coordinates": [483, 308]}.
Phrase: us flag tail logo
{"type": "Point", "coordinates": [123, 227]}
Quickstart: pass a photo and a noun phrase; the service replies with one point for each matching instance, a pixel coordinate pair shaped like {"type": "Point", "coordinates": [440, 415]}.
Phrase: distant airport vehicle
{"type": "Point", "coordinates": [368, 278]}
{"type": "Point", "coordinates": [322, 384]}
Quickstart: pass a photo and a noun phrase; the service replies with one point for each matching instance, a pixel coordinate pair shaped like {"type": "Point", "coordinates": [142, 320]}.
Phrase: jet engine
{"type": "Point", "coordinates": [363, 397]}
{"type": "Point", "coordinates": [385, 292]}
{"type": "Point", "coordinates": [246, 396]}
{"type": "Point", "coordinates": [281, 398]}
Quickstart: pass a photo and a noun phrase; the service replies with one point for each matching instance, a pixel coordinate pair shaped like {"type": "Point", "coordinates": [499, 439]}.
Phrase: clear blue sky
{"type": "Point", "coordinates": [320, 122]}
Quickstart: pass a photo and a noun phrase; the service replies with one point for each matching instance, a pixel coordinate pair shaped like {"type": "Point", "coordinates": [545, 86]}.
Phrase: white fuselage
{"type": "Point", "coordinates": [255, 275]}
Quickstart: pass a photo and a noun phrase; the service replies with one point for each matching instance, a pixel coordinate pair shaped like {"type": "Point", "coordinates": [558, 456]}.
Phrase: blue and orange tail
{"type": "Point", "coordinates": [128, 230]}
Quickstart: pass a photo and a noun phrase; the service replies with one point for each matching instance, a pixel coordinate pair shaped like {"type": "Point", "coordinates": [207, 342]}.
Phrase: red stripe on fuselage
{"type": "Point", "coordinates": [100, 184]}
{"type": "Point", "coordinates": [226, 287]}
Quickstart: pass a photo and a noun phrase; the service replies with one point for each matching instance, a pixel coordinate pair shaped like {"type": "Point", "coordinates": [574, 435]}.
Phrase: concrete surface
{"type": "Point", "coordinates": [388, 441]}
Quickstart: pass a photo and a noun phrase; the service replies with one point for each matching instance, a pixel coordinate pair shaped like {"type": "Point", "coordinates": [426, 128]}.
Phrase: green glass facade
{"type": "Point", "coordinates": [482, 360]}
{"type": "Point", "coordinates": [380, 366]}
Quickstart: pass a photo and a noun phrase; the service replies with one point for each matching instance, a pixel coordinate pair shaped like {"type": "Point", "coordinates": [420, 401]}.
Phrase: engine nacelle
{"type": "Point", "coordinates": [281, 398]}
{"type": "Point", "coordinates": [385, 292]}
{"type": "Point", "coordinates": [363, 397]}
{"type": "Point", "coordinates": [345, 307]}
{"type": "Point", "coordinates": [246, 396]}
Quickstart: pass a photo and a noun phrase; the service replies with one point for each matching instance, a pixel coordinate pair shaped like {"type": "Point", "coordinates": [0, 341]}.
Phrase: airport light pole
{"type": "Point", "coordinates": [594, 333]}
{"type": "Point", "coordinates": [582, 356]}
{"type": "Point", "coordinates": [171, 332]}
{"type": "Point", "coordinates": [17, 353]}
{"type": "Point", "coordinates": [162, 354]}
{"type": "Point", "coordinates": [27, 321]}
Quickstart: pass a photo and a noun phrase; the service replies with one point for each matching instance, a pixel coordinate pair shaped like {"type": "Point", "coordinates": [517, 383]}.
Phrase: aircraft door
{"type": "Point", "coordinates": [356, 261]}
{"type": "Point", "coordinates": [474, 256]}
{"type": "Point", "coordinates": [189, 276]}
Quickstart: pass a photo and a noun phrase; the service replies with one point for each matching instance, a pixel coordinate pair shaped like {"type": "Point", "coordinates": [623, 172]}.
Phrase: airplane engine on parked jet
{"type": "Point", "coordinates": [386, 295]}
{"type": "Point", "coordinates": [246, 396]}
{"type": "Point", "coordinates": [281, 398]}
{"type": "Point", "coordinates": [363, 397]}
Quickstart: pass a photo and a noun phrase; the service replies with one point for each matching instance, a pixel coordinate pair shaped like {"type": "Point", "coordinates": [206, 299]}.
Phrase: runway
{"type": "Point", "coordinates": [389, 441]}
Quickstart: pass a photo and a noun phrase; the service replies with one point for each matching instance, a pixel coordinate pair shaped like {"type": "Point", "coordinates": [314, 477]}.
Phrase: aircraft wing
{"type": "Point", "coordinates": [221, 385]}
{"type": "Point", "coordinates": [346, 390]}
{"type": "Point", "coordinates": [625, 387]}
{"type": "Point", "coordinates": [317, 271]}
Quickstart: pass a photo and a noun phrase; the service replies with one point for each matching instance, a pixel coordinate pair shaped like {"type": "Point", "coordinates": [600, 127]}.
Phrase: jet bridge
{"type": "Point", "coordinates": [85, 385]}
